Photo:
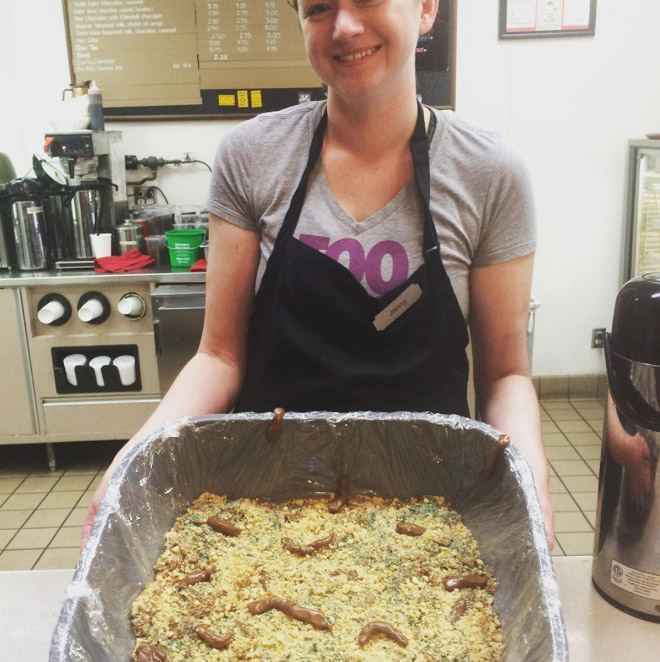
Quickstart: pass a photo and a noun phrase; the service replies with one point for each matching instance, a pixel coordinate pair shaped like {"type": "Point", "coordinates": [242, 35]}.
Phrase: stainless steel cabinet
{"type": "Point", "coordinates": [17, 402]}
{"type": "Point", "coordinates": [178, 312]}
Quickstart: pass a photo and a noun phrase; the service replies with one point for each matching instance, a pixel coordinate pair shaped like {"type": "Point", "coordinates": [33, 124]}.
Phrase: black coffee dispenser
{"type": "Point", "coordinates": [626, 564]}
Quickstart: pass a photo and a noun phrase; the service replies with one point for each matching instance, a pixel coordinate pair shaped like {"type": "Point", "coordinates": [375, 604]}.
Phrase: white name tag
{"type": "Point", "coordinates": [403, 302]}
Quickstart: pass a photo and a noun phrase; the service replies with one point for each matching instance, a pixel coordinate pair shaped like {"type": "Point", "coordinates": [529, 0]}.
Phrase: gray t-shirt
{"type": "Point", "coordinates": [481, 201]}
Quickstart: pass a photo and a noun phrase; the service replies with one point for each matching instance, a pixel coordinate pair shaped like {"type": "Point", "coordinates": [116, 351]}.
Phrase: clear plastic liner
{"type": "Point", "coordinates": [400, 454]}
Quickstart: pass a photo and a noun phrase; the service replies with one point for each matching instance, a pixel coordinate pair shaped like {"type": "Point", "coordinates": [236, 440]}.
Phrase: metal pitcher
{"type": "Point", "coordinates": [85, 219]}
{"type": "Point", "coordinates": [30, 237]}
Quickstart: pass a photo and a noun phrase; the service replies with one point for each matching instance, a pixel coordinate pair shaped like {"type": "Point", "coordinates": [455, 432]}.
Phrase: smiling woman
{"type": "Point", "coordinates": [365, 47]}
{"type": "Point", "coordinates": [352, 240]}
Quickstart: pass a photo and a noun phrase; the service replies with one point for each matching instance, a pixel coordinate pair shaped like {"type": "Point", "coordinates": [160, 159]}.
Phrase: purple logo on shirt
{"type": "Point", "coordinates": [369, 266]}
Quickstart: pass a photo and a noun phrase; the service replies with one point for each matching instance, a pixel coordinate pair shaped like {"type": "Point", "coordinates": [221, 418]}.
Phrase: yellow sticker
{"type": "Point", "coordinates": [255, 98]}
{"type": "Point", "coordinates": [242, 98]}
{"type": "Point", "coordinates": [226, 100]}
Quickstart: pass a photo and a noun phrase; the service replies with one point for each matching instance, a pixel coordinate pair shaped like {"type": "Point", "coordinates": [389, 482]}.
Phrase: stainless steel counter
{"type": "Point", "coordinates": [87, 276]}
{"type": "Point", "coordinates": [597, 632]}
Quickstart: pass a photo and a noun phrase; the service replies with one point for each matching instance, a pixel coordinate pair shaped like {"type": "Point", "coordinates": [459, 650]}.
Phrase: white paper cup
{"type": "Point", "coordinates": [90, 310]}
{"type": "Point", "coordinates": [101, 244]}
{"type": "Point", "coordinates": [51, 312]}
{"type": "Point", "coordinates": [125, 365]}
{"type": "Point", "coordinates": [131, 305]}
{"type": "Point", "coordinates": [96, 364]}
{"type": "Point", "coordinates": [70, 363]}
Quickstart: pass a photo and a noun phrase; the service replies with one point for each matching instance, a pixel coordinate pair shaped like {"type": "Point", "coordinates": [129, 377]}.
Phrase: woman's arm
{"type": "Point", "coordinates": [505, 396]}
{"type": "Point", "coordinates": [210, 382]}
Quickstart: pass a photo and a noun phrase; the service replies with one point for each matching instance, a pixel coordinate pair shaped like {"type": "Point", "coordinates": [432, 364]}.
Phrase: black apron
{"type": "Point", "coordinates": [312, 341]}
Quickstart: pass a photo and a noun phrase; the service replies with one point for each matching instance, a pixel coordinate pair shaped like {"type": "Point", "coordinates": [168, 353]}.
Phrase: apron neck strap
{"type": "Point", "coordinates": [419, 149]}
{"type": "Point", "coordinates": [293, 213]}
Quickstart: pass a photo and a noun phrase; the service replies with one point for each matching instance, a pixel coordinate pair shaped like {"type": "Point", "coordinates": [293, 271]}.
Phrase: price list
{"type": "Point", "coordinates": [251, 43]}
{"type": "Point", "coordinates": [169, 52]}
{"type": "Point", "coordinates": [137, 50]}
{"type": "Point", "coordinates": [257, 31]}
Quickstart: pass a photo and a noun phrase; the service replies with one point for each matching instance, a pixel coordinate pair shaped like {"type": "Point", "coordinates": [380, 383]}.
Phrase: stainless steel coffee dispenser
{"type": "Point", "coordinates": [23, 203]}
{"type": "Point", "coordinates": [7, 253]}
{"type": "Point", "coordinates": [30, 237]}
{"type": "Point", "coordinates": [626, 564]}
{"type": "Point", "coordinates": [86, 209]}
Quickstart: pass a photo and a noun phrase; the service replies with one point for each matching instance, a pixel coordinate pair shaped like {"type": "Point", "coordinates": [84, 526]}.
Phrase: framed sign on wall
{"type": "Point", "coordinates": [168, 59]}
{"type": "Point", "coordinates": [547, 18]}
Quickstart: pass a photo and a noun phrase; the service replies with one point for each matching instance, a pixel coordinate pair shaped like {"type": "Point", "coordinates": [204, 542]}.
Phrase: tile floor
{"type": "Point", "coordinates": [41, 512]}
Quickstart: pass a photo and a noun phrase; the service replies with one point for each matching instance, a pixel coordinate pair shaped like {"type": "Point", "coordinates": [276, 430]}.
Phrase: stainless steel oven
{"type": "Point", "coordinates": [178, 312]}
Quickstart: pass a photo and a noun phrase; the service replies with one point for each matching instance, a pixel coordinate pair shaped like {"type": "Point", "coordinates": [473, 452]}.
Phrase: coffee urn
{"type": "Point", "coordinates": [626, 563]}
{"type": "Point", "coordinates": [28, 224]}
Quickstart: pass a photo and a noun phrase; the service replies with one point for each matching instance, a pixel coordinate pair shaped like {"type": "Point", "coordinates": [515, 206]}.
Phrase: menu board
{"type": "Point", "coordinates": [202, 58]}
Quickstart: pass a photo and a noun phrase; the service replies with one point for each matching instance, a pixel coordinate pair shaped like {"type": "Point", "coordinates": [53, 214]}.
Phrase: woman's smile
{"type": "Point", "coordinates": [356, 54]}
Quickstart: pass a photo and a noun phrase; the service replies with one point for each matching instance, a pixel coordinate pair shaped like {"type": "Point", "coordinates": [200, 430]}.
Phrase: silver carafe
{"type": "Point", "coordinates": [85, 219]}
{"type": "Point", "coordinates": [58, 222]}
{"type": "Point", "coordinates": [7, 173]}
{"type": "Point", "coordinates": [626, 564]}
{"type": "Point", "coordinates": [7, 248]}
{"type": "Point", "coordinates": [30, 236]}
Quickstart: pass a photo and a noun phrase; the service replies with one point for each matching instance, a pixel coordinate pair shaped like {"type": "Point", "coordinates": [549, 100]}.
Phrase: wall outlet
{"type": "Point", "coordinates": [143, 196]}
{"type": "Point", "coordinates": [597, 338]}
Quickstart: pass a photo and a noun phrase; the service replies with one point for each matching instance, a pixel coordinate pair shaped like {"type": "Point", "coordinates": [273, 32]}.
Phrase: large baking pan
{"type": "Point", "coordinates": [398, 454]}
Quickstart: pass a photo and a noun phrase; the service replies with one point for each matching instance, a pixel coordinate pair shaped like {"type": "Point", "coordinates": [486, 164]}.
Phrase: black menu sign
{"type": "Point", "coordinates": [195, 58]}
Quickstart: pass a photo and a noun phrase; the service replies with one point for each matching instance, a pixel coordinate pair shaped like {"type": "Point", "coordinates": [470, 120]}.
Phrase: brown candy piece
{"type": "Point", "coordinates": [213, 640]}
{"type": "Point", "coordinates": [381, 627]}
{"type": "Point", "coordinates": [150, 653]}
{"type": "Point", "coordinates": [409, 529]}
{"type": "Point", "coordinates": [223, 526]}
{"type": "Point", "coordinates": [315, 618]}
{"type": "Point", "coordinates": [502, 442]}
{"type": "Point", "coordinates": [466, 581]}
{"type": "Point", "coordinates": [194, 577]}
{"type": "Point", "coordinates": [337, 504]}
{"type": "Point", "coordinates": [307, 550]}
{"type": "Point", "coordinates": [275, 428]}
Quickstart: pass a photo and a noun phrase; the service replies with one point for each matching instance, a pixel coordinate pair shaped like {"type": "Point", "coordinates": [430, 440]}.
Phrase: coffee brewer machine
{"type": "Point", "coordinates": [95, 190]}
{"type": "Point", "coordinates": [626, 564]}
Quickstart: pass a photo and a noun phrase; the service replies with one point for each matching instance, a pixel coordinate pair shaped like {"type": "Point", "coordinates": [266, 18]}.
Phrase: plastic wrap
{"type": "Point", "coordinates": [389, 455]}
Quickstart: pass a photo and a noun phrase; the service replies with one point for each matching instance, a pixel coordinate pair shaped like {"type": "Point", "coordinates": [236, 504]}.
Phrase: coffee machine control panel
{"type": "Point", "coordinates": [70, 145]}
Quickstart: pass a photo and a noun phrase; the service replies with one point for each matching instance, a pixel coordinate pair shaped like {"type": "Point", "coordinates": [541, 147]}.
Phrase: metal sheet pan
{"type": "Point", "coordinates": [398, 454]}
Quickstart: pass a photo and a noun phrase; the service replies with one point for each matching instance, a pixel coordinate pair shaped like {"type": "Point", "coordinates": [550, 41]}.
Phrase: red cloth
{"type": "Point", "coordinates": [131, 261]}
{"type": "Point", "coordinates": [200, 265]}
